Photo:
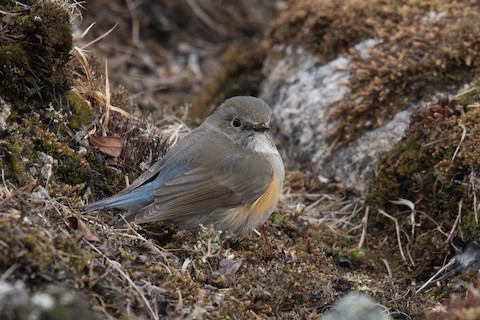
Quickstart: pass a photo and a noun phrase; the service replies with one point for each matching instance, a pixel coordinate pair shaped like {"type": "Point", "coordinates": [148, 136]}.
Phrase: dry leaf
{"type": "Point", "coordinates": [111, 146]}
{"type": "Point", "coordinates": [227, 266]}
{"type": "Point", "coordinates": [80, 226]}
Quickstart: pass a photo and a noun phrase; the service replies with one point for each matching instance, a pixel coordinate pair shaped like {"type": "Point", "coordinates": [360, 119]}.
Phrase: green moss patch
{"type": "Point", "coordinates": [35, 45]}
{"type": "Point", "coordinates": [435, 167]}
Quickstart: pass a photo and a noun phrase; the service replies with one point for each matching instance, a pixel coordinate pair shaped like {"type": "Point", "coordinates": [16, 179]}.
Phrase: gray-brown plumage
{"type": "Point", "coordinates": [227, 172]}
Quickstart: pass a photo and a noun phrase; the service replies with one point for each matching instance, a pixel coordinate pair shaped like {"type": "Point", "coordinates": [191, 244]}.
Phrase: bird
{"type": "Point", "coordinates": [227, 173]}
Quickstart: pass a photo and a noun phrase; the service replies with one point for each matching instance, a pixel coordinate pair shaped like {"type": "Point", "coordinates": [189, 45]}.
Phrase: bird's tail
{"type": "Point", "coordinates": [132, 201]}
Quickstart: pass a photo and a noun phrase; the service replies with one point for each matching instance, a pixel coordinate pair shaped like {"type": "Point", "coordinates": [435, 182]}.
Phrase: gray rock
{"type": "Point", "coordinates": [53, 302]}
{"type": "Point", "coordinates": [303, 96]}
{"type": "Point", "coordinates": [356, 306]}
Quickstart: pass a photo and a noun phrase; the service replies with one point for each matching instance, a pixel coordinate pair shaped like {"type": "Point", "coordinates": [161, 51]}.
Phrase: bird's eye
{"type": "Point", "coordinates": [236, 122]}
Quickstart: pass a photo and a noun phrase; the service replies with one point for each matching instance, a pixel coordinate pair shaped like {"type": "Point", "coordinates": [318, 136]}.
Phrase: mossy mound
{"type": "Point", "coordinates": [424, 47]}
{"type": "Point", "coordinates": [436, 168]}
{"type": "Point", "coordinates": [35, 46]}
{"type": "Point", "coordinates": [329, 28]}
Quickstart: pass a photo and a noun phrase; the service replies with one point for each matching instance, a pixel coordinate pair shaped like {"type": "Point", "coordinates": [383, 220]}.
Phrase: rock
{"type": "Point", "coordinates": [356, 306]}
{"type": "Point", "coordinates": [303, 96]}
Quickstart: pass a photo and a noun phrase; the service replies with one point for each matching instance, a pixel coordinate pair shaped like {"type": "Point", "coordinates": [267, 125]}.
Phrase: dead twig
{"type": "Point", "coordinates": [389, 269]}
{"type": "Point", "coordinates": [364, 229]}
{"type": "Point", "coordinates": [457, 220]}
{"type": "Point", "coordinates": [205, 18]}
{"type": "Point", "coordinates": [15, 193]}
{"type": "Point", "coordinates": [397, 228]}
{"type": "Point", "coordinates": [464, 134]}
{"type": "Point", "coordinates": [413, 212]}
{"type": "Point", "coordinates": [434, 277]}
{"type": "Point", "coordinates": [475, 206]}
{"type": "Point", "coordinates": [97, 39]}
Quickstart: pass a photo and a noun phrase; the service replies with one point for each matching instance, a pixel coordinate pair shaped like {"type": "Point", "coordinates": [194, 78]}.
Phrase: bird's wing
{"type": "Point", "coordinates": [191, 198]}
{"type": "Point", "coordinates": [147, 175]}
{"type": "Point", "coordinates": [171, 165]}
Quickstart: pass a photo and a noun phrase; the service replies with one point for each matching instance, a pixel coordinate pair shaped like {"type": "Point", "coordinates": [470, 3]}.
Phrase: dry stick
{"type": "Point", "coordinates": [108, 106]}
{"type": "Point", "coordinates": [83, 34]}
{"type": "Point", "coordinates": [455, 224]}
{"type": "Point", "coordinates": [439, 228]}
{"type": "Point", "coordinates": [180, 300]}
{"type": "Point", "coordinates": [4, 182]}
{"type": "Point", "coordinates": [475, 208]}
{"type": "Point", "coordinates": [464, 134]}
{"type": "Point", "coordinates": [106, 117]}
{"type": "Point", "coordinates": [150, 245]}
{"type": "Point", "coordinates": [135, 22]}
{"type": "Point", "coordinates": [435, 141]}
{"type": "Point", "coordinates": [448, 265]}
{"type": "Point", "coordinates": [73, 10]}
{"type": "Point", "coordinates": [15, 192]}
{"type": "Point", "coordinates": [97, 39]}
{"type": "Point", "coordinates": [465, 92]}
{"type": "Point", "coordinates": [364, 229]}
{"type": "Point", "coordinates": [397, 227]}
{"type": "Point", "coordinates": [205, 18]}
{"type": "Point", "coordinates": [389, 269]}
{"type": "Point", "coordinates": [117, 266]}
{"type": "Point", "coordinates": [409, 255]}
{"type": "Point", "coordinates": [82, 58]}
{"type": "Point", "coordinates": [410, 205]}
{"type": "Point", "coordinates": [8, 272]}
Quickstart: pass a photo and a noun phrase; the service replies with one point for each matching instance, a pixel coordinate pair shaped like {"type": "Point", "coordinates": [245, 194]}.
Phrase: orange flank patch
{"type": "Point", "coordinates": [267, 202]}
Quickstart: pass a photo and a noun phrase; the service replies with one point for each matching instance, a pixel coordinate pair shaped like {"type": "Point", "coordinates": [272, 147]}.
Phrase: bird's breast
{"type": "Point", "coordinates": [264, 205]}
{"type": "Point", "coordinates": [263, 144]}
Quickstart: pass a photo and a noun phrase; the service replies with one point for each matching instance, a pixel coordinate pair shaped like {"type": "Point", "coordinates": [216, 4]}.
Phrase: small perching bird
{"type": "Point", "coordinates": [227, 172]}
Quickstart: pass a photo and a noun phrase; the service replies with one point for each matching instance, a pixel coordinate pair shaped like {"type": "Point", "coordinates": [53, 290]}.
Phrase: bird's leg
{"type": "Point", "coordinates": [267, 247]}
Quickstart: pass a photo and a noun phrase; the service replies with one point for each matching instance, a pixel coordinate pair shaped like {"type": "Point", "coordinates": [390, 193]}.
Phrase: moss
{"type": "Point", "coordinates": [425, 47]}
{"type": "Point", "coordinates": [76, 262]}
{"type": "Point", "coordinates": [37, 54]}
{"type": "Point", "coordinates": [329, 28]}
{"type": "Point", "coordinates": [11, 160]}
{"type": "Point", "coordinates": [278, 219]}
{"type": "Point", "coordinates": [359, 255]}
{"type": "Point", "coordinates": [414, 58]}
{"type": "Point", "coordinates": [403, 162]}
{"type": "Point", "coordinates": [13, 54]}
{"type": "Point", "coordinates": [437, 171]}
{"type": "Point", "coordinates": [82, 113]}
{"type": "Point", "coordinates": [72, 169]}
{"type": "Point", "coordinates": [32, 250]}
{"type": "Point", "coordinates": [23, 147]}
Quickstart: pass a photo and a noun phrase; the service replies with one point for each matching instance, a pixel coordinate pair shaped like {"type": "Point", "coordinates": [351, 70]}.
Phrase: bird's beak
{"type": "Point", "coordinates": [260, 127]}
